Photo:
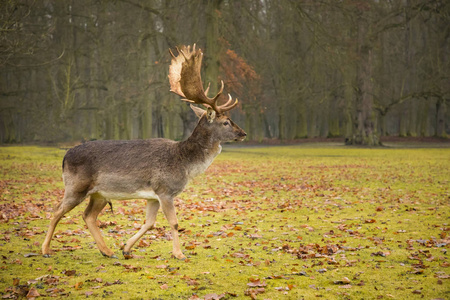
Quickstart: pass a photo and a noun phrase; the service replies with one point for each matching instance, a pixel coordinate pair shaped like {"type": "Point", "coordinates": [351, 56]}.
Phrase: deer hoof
{"type": "Point", "coordinates": [180, 256]}
{"type": "Point", "coordinates": [106, 255]}
{"type": "Point", "coordinates": [47, 255]}
{"type": "Point", "coordinates": [127, 255]}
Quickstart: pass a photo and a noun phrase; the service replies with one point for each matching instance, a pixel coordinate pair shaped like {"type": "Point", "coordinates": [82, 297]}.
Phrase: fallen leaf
{"type": "Point", "coordinates": [344, 280]}
{"type": "Point", "coordinates": [255, 236]}
{"type": "Point", "coordinates": [192, 282]}
{"type": "Point", "coordinates": [16, 281]}
{"type": "Point", "coordinates": [31, 254]}
{"type": "Point", "coordinates": [253, 292]}
{"type": "Point", "coordinates": [213, 296]}
{"type": "Point", "coordinates": [347, 286]}
{"type": "Point", "coordinates": [32, 293]}
{"type": "Point", "coordinates": [161, 267]}
{"type": "Point", "coordinates": [69, 272]}
{"type": "Point", "coordinates": [118, 281]}
{"type": "Point", "coordinates": [301, 273]}
{"type": "Point", "coordinates": [143, 244]}
{"type": "Point", "coordinates": [257, 283]}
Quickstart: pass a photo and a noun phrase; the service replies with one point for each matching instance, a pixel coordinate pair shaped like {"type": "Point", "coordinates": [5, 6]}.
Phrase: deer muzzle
{"type": "Point", "coordinates": [241, 136]}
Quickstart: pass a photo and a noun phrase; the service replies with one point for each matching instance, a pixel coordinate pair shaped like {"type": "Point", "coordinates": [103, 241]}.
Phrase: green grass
{"type": "Point", "coordinates": [267, 223]}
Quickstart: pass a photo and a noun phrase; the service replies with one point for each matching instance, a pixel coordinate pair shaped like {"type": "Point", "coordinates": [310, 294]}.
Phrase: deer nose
{"type": "Point", "coordinates": [242, 133]}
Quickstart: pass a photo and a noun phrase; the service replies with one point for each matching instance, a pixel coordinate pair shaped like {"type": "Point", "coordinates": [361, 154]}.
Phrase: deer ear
{"type": "Point", "coordinates": [210, 114]}
{"type": "Point", "coordinates": [198, 111]}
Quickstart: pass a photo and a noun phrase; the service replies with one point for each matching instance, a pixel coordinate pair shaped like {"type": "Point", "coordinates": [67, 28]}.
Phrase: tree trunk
{"type": "Point", "coordinates": [212, 62]}
{"type": "Point", "coordinates": [441, 112]}
{"type": "Point", "coordinates": [302, 122]}
{"type": "Point", "coordinates": [365, 131]}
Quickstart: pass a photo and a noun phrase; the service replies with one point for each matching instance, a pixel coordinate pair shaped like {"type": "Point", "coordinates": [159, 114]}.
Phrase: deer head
{"type": "Point", "coordinates": [185, 81]}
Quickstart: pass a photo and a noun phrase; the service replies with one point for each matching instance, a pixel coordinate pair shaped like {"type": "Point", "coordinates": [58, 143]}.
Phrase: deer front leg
{"type": "Point", "coordinates": [169, 211]}
{"type": "Point", "coordinates": [151, 212]}
{"type": "Point", "coordinates": [95, 206]}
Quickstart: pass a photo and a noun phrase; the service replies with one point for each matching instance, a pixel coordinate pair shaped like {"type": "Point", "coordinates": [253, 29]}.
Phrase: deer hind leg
{"type": "Point", "coordinates": [70, 200]}
{"type": "Point", "coordinates": [169, 211]}
{"type": "Point", "coordinates": [151, 212]}
{"type": "Point", "coordinates": [95, 206]}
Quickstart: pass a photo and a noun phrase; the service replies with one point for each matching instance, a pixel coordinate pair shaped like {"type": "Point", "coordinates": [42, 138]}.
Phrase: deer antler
{"type": "Point", "coordinates": [185, 80]}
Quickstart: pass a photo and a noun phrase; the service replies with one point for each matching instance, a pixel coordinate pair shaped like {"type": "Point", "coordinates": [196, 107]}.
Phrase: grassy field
{"type": "Point", "coordinates": [294, 222]}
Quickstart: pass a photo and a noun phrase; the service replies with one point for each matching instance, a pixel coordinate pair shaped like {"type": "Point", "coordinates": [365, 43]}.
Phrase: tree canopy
{"type": "Point", "coordinates": [79, 70]}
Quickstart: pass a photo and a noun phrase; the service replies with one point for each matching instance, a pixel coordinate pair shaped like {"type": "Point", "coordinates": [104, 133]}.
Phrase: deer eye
{"type": "Point", "coordinates": [226, 123]}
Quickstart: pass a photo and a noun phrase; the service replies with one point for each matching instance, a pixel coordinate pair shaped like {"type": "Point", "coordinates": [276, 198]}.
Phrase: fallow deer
{"type": "Point", "coordinates": [156, 169]}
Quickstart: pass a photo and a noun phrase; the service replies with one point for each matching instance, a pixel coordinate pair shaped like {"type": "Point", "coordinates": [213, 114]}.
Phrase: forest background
{"type": "Point", "coordinates": [79, 70]}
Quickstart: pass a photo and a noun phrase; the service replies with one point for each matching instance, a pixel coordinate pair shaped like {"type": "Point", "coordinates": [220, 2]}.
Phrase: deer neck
{"type": "Point", "coordinates": [201, 141]}
{"type": "Point", "coordinates": [200, 149]}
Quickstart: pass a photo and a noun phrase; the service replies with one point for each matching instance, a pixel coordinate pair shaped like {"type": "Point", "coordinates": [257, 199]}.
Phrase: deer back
{"type": "Point", "coordinates": [125, 169]}
{"type": "Point", "coordinates": [143, 168]}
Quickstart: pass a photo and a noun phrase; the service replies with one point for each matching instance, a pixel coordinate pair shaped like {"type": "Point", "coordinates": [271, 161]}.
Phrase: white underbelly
{"type": "Point", "coordinates": [147, 194]}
